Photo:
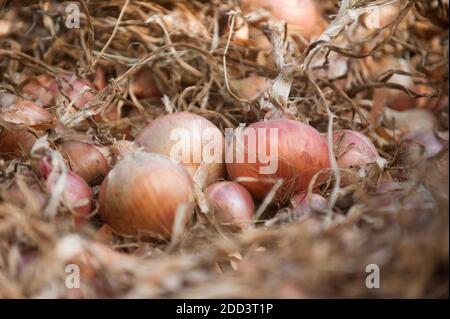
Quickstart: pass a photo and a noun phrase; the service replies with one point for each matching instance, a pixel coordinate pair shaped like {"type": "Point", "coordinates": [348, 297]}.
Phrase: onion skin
{"type": "Point", "coordinates": [302, 204]}
{"type": "Point", "coordinates": [43, 89]}
{"type": "Point", "coordinates": [155, 138]}
{"type": "Point", "coordinates": [142, 193]}
{"type": "Point", "coordinates": [252, 87]}
{"type": "Point", "coordinates": [301, 15]}
{"type": "Point", "coordinates": [394, 98]}
{"type": "Point", "coordinates": [16, 144]}
{"type": "Point", "coordinates": [77, 195]}
{"type": "Point", "coordinates": [24, 112]}
{"type": "Point", "coordinates": [231, 203]}
{"type": "Point", "coordinates": [301, 154]}
{"type": "Point", "coordinates": [353, 149]}
{"type": "Point", "coordinates": [143, 85]}
{"type": "Point", "coordinates": [86, 160]}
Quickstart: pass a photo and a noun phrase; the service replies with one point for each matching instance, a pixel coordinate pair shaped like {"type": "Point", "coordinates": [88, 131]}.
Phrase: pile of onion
{"type": "Point", "coordinates": [187, 138]}
{"type": "Point", "coordinates": [300, 153]}
{"type": "Point", "coordinates": [142, 194]}
{"type": "Point", "coordinates": [231, 203]}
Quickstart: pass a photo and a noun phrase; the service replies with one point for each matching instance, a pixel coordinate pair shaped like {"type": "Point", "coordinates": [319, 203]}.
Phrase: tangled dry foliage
{"type": "Point", "coordinates": [188, 46]}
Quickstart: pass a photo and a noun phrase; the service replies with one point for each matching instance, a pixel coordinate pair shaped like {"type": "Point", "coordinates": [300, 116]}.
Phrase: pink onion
{"type": "Point", "coordinates": [142, 194]}
{"type": "Point", "coordinates": [187, 138]}
{"type": "Point", "coordinates": [76, 195]}
{"type": "Point", "coordinates": [297, 150]}
{"type": "Point", "coordinates": [302, 15]}
{"type": "Point", "coordinates": [353, 149]}
{"type": "Point", "coordinates": [231, 203]}
{"type": "Point", "coordinates": [303, 204]}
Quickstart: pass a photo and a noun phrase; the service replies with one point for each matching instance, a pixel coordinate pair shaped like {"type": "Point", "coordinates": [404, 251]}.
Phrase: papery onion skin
{"type": "Point", "coordinates": [24, 112]}
{"type": "Point", "coordinates": [231, 203]}
{"type": "Point", "coordinates": [86, 160]}
{"type": "Point", "coordinates": [353, 149]}
{"type": "Point", "coordinates": [301, 154]}
{"type": "Point", "coordinates": [156, 138]}
{"type": "Point", "coordinates": [142, 193]}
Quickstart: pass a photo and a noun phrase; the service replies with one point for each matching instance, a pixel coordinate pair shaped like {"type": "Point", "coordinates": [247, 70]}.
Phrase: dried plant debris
{"type": "Point", "coordinates": [96, 72]}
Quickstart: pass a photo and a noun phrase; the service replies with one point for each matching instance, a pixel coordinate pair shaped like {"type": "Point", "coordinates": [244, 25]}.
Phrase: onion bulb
{"type": "Point", "coordinates": [15, 143]}
{"type": "Point", "coordinates": [187, 138]}
{"type": "Point", "coordinates": [395, 98]}
{"type": "Point", "coordinates": [300, 15]}
{"type": "Point", "coordinates": [76, 194]}
{"type": "Point", "coordinates": [89, 161]}
{"type": "Point", "coordinates": [302, 203]}
{"type": "Point", "coordinates": [275, 149]}
{"type": "Point", "coordinates": [353, 149]}
{"type": "Point", "coordinates": [23, 112]}
{"type": "Point", "coordinates": [143, 84]}
{"type": "Point", "coordinates": [42, 89]}
{"type": "Point", "coordinates": [18, 115]}
{"type": "Point", "coordinates": [142, 194]}
{"type": "Point", "coordinates": [45, 88]}
{"type": "Point", "coordinates": [231, 203]}
{"type": "Point", "coordinates": [250, 88]}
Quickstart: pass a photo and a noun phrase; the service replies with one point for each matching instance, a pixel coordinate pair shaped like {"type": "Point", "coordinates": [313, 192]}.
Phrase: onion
{"type": "Point", "coordinates": [353, 149]}
{"type": "Point", "coordinates": [142, 193]}
{"type": "Point", "coordinates": [16, 144]}
{"type": "Point", "coordinates": [17, 141]}
{"type": "Point", "coordinates": [302, 204]}
{"type": "Point", "coordinates": [21, 197]}
{"type": "Point", "coordinates": [143, 84]}
{"type": "Point", "coordinates": [418, 125]}
{"type": "Point", "coordinates": [251, 87]}
{"type": "Point", "coordinates": [76, 195]}
{"type": "Point", "coordinates": [23, 112]}
{"type": "Point", "coordinates": [76, 90]}
{"type": "Point", "coordinates": [187, 138]}
{"type": "Point", "coordinates": [86, 159]}
{"type": "Point", "coordinates": [300, 15]}
{"type": "Point", "coordinates": [300, 152]}
{"type": "Point", "coordinates": [43, 89]}
{"type": "Point", "coordinates": [409, 121]}
{"type": "Point", "coordinates": [231, 203]}
{"type": "Point", "coordinates": [394, 98]}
